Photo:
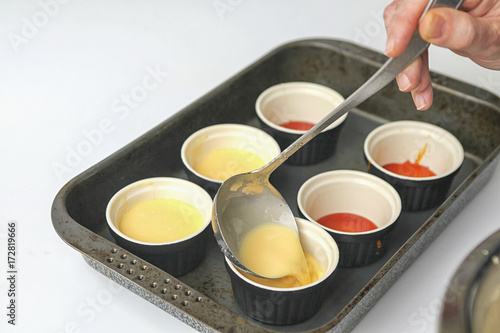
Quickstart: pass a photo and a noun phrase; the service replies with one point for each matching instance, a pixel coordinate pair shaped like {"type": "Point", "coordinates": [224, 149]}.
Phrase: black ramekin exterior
{"type": "Point", "coordinates": [277, 307]}
{"type": "Point", "coordinates": [362, 249]}
{"type": "Point", "coordinates": [318, 149]}
{"type": "Point", "coordinates": [417, 195]}
{"type": "Point", "coordinates": [177, 258]}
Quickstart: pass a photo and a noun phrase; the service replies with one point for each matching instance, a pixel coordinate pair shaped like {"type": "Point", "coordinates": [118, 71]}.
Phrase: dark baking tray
{"type": "Point", "coordinates": [203, 297]}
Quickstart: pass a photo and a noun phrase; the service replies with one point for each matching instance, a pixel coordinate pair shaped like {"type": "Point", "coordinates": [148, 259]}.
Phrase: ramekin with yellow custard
{"type": "Point", "coordinates": [286, 300]}
{"type": "Point", "coordinates": [163, 220]}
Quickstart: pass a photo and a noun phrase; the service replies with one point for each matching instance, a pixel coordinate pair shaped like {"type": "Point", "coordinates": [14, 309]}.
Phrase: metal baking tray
{"type": "Point", "coordinates": [203, 298]}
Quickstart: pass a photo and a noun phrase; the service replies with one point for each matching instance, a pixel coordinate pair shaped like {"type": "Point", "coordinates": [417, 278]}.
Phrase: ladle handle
{"type": "Point", "coordinates": [380, 79]}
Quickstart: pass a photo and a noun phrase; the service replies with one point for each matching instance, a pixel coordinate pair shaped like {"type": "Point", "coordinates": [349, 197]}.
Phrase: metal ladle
{"type": "Point", "coordinates": [248, 200]}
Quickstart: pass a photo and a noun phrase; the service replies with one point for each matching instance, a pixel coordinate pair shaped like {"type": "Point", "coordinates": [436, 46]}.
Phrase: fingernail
{"type": "Point", "coordinates": [436, 28]}
{"type": "Point", "coordinates": [403, 82]}
{"type": "Point", "coordinates": [420, 101]}
{"type": "Point", "coordinates": [389, 46]}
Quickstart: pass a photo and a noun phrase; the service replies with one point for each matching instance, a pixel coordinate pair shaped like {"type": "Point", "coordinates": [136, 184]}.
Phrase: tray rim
{"type": "Point", "coordinates": [65, 225]}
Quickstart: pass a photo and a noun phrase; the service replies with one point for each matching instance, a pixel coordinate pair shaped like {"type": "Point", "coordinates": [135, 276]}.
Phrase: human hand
{"type": "Point", "coordinates": [472, 32]}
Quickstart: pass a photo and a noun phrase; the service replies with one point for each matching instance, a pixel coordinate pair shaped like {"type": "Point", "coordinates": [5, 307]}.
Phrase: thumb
{"type": "Point", "coordinates": [456, 30]}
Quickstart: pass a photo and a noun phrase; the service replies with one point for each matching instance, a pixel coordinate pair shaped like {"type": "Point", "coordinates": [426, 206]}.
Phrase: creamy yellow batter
{"type": "Point", "coordinates": [160, 220]}
{"type": "Point", "coordinates": [290, 281]}
{"type": "Point", "coordinates": [274, 250]}
{"type": "Point", "coordinates": [220, 164]}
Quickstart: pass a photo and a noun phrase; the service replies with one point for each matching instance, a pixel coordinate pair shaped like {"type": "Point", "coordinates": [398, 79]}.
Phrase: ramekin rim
{"type": "Point", "coordinates": [124, 189]}
{"type": "Point", "coordinates": [388, 187]}
{"type": "Point", "coordinates": [452, 139]}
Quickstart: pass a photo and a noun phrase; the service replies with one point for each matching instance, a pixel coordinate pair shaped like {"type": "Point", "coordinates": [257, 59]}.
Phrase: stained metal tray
{"type": "Point", "coordinates": [203, 297]}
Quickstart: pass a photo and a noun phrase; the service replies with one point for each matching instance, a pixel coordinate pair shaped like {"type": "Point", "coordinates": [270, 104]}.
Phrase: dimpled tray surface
{"type": "Point", "coordinates": [203, 297]}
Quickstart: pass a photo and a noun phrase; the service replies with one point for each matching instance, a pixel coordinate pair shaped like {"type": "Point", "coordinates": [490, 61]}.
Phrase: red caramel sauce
{"type": "Point", "coordinates": [347, 222]}
{"type": "Point", "coordinates": [298, 125]}
{"type": "Point", "coordinates": [411, 169]}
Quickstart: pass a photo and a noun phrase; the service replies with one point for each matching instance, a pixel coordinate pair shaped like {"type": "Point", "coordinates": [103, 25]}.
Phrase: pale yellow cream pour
{"type": "Point", "coordinates": [274, 251]}
{"type": "Point", "coordinates": [290, 281]}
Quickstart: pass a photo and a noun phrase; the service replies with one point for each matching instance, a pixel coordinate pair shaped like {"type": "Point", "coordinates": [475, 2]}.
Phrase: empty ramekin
{"type": "Point", "coordinates": [285, 306]}
{"type": "Point", "coordinates": [430, 145]}
{"type": "Point", "coordinates": [175, 257]}
{"type": "Point", "coordinates": [304, 102]}
{"type": "Point", "coordinates": [235, 136]}
{"type": "Point", "coordinates": [354, 192]}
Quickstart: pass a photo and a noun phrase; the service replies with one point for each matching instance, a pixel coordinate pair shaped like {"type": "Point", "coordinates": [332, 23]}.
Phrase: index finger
{"type": "Point", "coordinates": [403, 21]}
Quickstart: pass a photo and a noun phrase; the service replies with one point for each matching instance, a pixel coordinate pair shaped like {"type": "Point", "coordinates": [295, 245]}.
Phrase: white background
{"type": "Point", "coordinates": [64, 64]}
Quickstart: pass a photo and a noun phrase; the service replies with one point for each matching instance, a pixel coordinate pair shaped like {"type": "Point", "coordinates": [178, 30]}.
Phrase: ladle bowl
{"type": "Point", "coordinates": [248, 200]}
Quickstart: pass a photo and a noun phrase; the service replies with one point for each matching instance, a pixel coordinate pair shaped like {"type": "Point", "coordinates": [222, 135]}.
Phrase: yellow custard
{"type": "Point", "coordinates": [160, 220]}
{"type": "Point", "coordinates": [222, 163]}
{"type": "Point", "coordinates": [274, 250]}
{"type": "Point", "coordinates": [290, 281]}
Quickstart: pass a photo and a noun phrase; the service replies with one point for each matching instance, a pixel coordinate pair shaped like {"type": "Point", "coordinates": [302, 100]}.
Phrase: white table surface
{"type": "Point", "coordinates": [66, 65]}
